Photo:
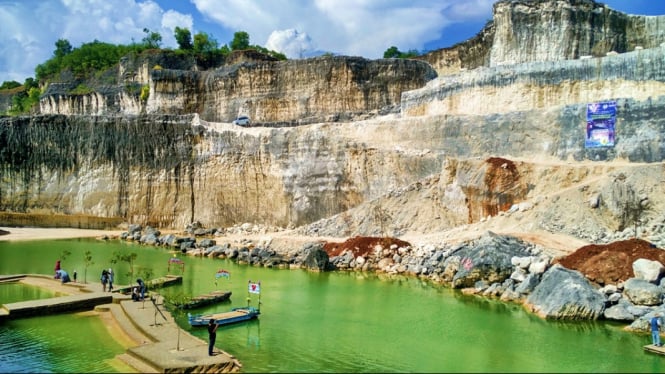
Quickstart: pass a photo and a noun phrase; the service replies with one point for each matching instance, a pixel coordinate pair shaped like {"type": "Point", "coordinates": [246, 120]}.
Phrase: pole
{"type": "Point", "coordinates": [249, 284]}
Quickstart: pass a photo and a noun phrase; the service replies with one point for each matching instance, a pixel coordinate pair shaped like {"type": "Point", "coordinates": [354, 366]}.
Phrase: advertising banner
{"type": "Point", "coordinates": [600, 121]}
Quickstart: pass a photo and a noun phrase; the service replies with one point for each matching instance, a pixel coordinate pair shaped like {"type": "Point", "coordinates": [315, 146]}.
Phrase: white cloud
{"type": "Point", "coordinates": [290, 42]}
{"type": "Point", "coordinates": [361, 28]}
{"type": "Point", "coordinates": [30, 28]}
{"type": "Point", "coordinates": [365, 28]}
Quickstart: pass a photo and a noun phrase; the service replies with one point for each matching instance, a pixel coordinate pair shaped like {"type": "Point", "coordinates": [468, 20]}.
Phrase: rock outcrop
{"type": "Point", "coordinates": [524, 31]}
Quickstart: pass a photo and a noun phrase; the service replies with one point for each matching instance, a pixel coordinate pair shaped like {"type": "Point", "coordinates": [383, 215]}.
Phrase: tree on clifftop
{"type": "Point", "coordinates": [184, 38]}
{"type": "Point", "coordinates": [393, 52]}
{"type": "Point", "coordinates": [204, 42]}
{"type": "Point", "coordinates": [240, 41]}
{"type": "Point", "coordinates": [152, 39]}
{"type": "Point", "coordinates": [62, 48]}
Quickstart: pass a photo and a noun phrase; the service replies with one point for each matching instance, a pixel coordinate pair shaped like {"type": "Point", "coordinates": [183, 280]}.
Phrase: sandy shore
{"type": "Point", "coordinates": [34, 233]}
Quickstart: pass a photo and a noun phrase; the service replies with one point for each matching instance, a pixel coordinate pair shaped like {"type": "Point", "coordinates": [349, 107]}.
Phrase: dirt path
{"type": "Point", "coordinates": [35, 233]}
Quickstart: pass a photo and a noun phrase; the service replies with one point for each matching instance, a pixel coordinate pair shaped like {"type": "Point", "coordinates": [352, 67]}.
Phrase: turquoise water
{"type": "Point", "coordinates": [71, 343]}
{"type": "Point", "coordinates": [341, 322]}
{"type": "Point", "coordinates": [13, 292]}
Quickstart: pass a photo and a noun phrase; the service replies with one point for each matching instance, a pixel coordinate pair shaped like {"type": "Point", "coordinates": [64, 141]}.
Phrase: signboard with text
{"type": "Point", "coordinates": [600, 121]}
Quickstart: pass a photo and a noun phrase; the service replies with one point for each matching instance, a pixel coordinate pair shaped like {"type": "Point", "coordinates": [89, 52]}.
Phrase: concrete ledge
{"type": "Point", "coordinates": [62, 304]}
{"type": "Point", "coordinates": [161, 345]}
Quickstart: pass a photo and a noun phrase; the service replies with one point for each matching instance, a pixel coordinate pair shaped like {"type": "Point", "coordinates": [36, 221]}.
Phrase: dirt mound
{"type": "Point", "coordinates": [602, 264]}
{"type": "Point", "coordinates": [611, 263]}
{"type": "Point", "coordinates": [362, 245]}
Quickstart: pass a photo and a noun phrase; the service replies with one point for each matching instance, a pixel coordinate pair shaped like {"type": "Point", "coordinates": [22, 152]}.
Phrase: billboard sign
{"type": "Point", "coordinates": [600, 121]}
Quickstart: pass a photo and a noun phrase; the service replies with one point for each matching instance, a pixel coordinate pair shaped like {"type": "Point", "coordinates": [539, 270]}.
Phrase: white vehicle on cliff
{"type": "Point", "coordinates": [241, 121]}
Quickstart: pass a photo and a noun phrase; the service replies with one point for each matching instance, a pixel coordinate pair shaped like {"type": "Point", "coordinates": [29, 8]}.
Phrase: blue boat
{"type": "Point", "coordinates": [235, 315]}
{"type": "Point", "coordinates": [225, 318]}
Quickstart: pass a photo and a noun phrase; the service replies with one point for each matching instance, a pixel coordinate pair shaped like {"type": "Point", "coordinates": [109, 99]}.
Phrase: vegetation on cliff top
{"type": "Point", "coordinates": [91, 61]}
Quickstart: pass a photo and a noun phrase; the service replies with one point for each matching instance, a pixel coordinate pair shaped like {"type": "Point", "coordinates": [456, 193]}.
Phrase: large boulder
{"type": "Point", "coordinates": [565, 294]}
{"type": "Point", "coordinates": [648, 270]}
{"type": "Point", "coordinates": [313, 257]}
{"type": "Point", "coordinates": [488, 258]}
{"type": "Point", "coordinates": [642, 292]}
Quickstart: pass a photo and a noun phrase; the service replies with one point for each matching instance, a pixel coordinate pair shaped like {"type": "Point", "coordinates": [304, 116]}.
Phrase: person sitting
{"type": "Point", "coordinates": [64, 276]}
{"type": "Point", "coordinates": [135, 294]}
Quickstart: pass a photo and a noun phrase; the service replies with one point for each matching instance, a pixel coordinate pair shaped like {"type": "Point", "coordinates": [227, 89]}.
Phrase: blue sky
{"type": "Point", "coordinates": [297, 28]}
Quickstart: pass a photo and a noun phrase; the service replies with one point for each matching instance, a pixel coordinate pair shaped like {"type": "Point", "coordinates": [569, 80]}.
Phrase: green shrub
{"type": "Point", "coordinates": [145, 93]}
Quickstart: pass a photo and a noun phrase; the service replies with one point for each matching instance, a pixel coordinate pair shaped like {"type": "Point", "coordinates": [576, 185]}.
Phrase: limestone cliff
{"type": "Point", "coordinates": [548, 30]}
{"type": "Point", "coordinates": [298, 91]}
{"type": "Point", "coordinates": [379, 141]}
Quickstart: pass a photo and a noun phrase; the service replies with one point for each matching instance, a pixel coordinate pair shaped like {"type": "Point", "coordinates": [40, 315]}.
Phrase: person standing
{"type": "Point", "coordinates": [142, 288]}
{"type": "Point", "coordinates": [655, 329]}
{"type": "Point", "coordinates": [110, 277]}
{"type": "Point", "coordinates": [104, 279]}
{"type": "Point", "coordinates": [75, 274]}
{"type": "Point", "coordinates": [212, 335]}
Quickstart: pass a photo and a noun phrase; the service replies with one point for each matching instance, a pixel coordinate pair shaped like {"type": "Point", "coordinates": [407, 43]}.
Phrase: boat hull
{"type": "Point", "coordinates": [234, 316]}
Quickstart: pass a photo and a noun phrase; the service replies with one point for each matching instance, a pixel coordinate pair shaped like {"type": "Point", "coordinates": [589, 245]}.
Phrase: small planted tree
{"type": "Point", "coordinates": [128, 258]}
{"type": "Point", "coordinates": [87, 261]}
{"type": "Point", "coordinates": [176, 302]}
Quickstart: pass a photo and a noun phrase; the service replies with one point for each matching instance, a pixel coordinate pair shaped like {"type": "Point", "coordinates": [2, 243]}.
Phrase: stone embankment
{"type": "Point", "coordinates": [495, 266]}
{"type": "Point", "coordinates": [155, 342]}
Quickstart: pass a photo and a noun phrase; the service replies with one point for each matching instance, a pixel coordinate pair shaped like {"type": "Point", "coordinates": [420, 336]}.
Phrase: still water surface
{"type": "Point", "coordinates": [319, 322]}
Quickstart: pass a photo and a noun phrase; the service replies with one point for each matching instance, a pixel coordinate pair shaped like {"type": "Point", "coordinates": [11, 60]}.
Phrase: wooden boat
{"type": "Point", "coordinates": [235, 315]}
{"type": "Point", "coordinates": [207, 299]}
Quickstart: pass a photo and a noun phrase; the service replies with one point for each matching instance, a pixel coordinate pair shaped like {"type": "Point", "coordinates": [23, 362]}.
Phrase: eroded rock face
{"type": "Point", "coordinates": [289, 92]}
{"type": "Point", "coordinates": [171, 170]}
{"type": "Point", "coordinates": [527, 31]}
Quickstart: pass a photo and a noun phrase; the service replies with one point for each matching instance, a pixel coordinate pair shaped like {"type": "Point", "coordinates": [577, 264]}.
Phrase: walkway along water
{"type": "Point", "coordinates": [160, 345]}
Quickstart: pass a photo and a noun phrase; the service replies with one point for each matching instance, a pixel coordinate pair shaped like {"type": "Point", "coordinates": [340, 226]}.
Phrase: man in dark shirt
{"type": "Point", "coordinates": [212, 335]}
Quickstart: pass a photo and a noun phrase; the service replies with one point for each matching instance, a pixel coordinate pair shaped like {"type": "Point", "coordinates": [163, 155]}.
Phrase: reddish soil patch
{"type": "Point", "coordinates": [361, 245]}
{"type": "Point", "coordinates": [611, 263]}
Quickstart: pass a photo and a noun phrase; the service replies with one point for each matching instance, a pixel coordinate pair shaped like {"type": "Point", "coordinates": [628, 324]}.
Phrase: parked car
{"type": "Point", "coordinates": [241, 121]}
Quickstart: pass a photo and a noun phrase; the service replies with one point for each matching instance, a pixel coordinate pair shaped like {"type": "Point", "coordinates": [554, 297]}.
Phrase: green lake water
{"type": "Point", "coordinates": [318, 322]}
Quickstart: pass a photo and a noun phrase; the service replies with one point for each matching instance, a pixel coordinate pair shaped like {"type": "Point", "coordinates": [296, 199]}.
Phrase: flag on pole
{"type": "Point", "coordinates": [254, 287]}
{"type": "Point", "coordinates": [222, 273]}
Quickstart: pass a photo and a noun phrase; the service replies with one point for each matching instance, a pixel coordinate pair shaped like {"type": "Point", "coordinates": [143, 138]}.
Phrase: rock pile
{"type": "Point", "coordinates": [622, 281]}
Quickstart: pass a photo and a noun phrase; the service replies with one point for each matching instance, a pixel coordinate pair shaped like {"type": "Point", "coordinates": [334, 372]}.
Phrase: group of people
{"type": "Point", "coordinates": [107, 278]}
{"type": "Point", "coordinates": [61, 274]}
{"type": "Point", "coordinates": [138, 293]}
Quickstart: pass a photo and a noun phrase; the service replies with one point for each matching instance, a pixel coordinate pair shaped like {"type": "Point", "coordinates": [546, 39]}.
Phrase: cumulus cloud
{"type": "Point", "coordinates": [361, 28]}
{"type": "Point", "coordinates": [30, 28]}
{"type": "Point", "coordinates": [290, 42]}
{"type": "Point", "coordinates": [365, 28]}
